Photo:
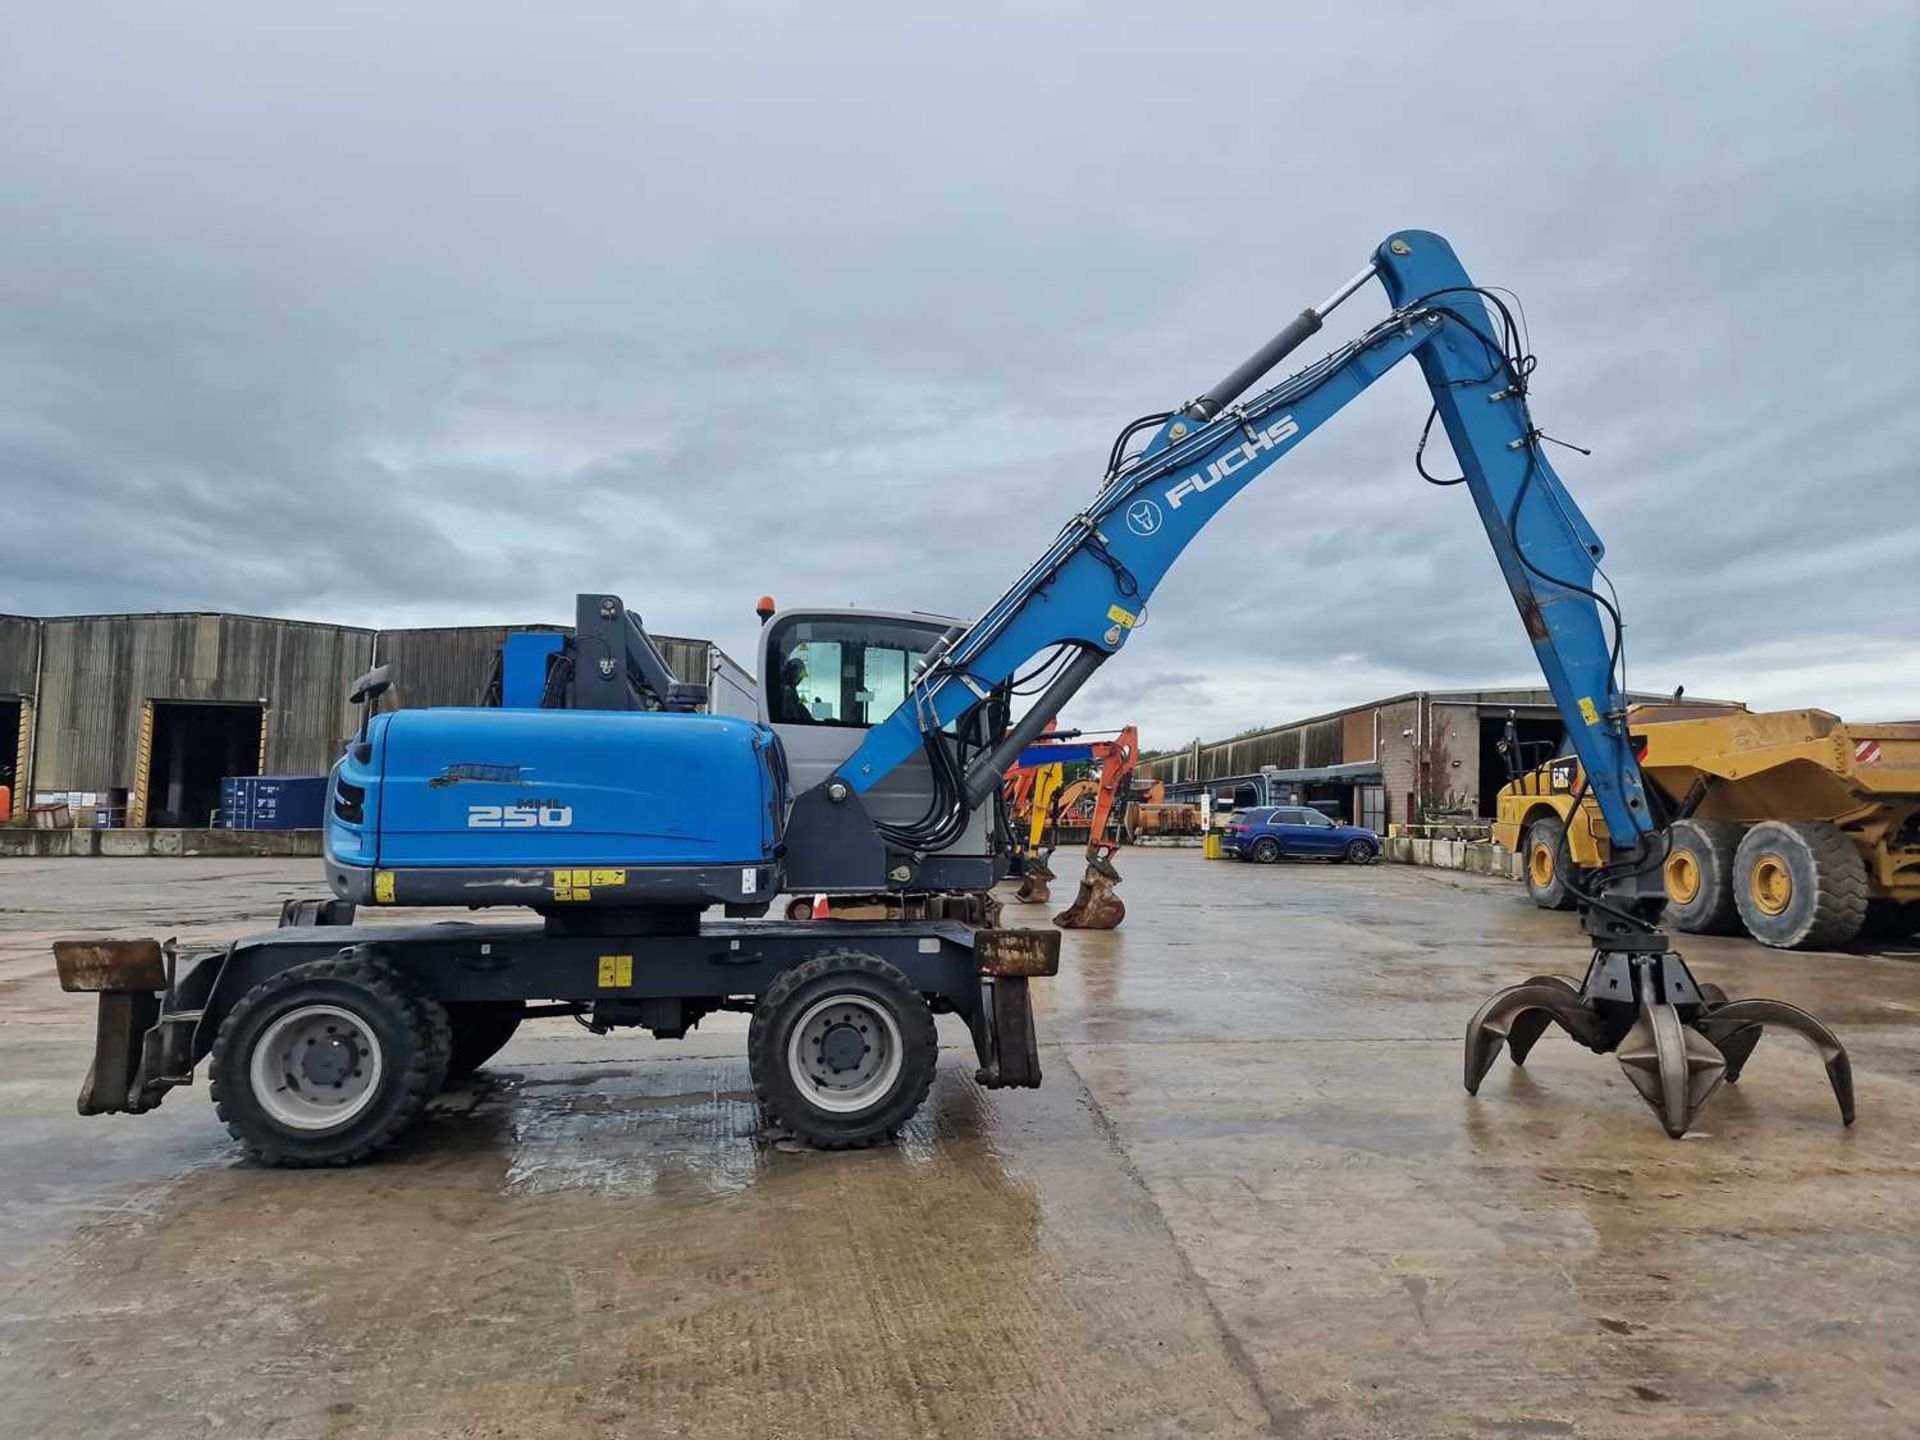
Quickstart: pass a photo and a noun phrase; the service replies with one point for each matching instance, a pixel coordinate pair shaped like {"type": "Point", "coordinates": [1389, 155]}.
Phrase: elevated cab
{"type": "Point", "coordinates": [557, 810]}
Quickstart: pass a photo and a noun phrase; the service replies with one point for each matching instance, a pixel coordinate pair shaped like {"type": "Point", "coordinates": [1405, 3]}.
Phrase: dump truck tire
{"type": "Point", "coordinates": [1698, 872]}
{"type": "Point", "coordinates": [324, 1063]}
{"type": "Point", "coordinates": [479, 1030]}
{"type": "Point", "coordinates": [841, 1050]}
{"type": "Point", "coordinates": [1546, 862]}
{"type": "Point", "coordinates": [1800, 885]}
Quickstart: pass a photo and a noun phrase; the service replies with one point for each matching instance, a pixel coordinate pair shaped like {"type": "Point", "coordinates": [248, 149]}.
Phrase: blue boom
{"type": "Point", "coordinates": [1090, 588]}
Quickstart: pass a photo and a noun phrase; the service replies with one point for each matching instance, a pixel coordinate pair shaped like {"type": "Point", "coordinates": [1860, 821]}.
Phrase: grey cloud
{"type": "Point", "coordinates": [443, 313]}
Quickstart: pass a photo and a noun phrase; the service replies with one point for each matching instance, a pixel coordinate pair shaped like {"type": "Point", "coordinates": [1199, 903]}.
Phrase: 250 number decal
{"type": "Point", "coordinates": [519, 817]}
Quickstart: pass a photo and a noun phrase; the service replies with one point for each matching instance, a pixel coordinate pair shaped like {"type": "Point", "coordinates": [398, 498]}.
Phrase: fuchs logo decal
{"type": "Point", "coordinates": [1143, 518]}
{"type": "Point", "coordinates": [519, 817]}
{"type": "Point", "coordinates": [1282, 429]}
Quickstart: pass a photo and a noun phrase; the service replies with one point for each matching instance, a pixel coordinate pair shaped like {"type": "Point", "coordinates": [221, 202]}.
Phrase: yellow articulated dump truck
{"type": "Point", "coordinates": [1796, 827]}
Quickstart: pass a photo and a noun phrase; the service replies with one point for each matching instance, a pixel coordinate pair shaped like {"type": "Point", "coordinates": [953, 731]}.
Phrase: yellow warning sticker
{"type": "Point", "coordinates": [573, 884]}
{"type": "Point", "coordinates": [616, 972]}
{"type": "Point", "coordinates": [1122, 618]}
{"type": "Point", "coordinates": [383, 887]}
{"type": "Point", "coordinates": [1587, 711]}
{"type": "Point", "coordinates": [608, 877]}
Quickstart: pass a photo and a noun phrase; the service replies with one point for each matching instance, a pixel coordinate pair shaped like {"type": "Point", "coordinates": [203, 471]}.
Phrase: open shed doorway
{"type": "Point", "coordinates": [10, 758]}
{"type": "Point", "coordinates": [1540, 741]}
{"type": "Point", "coordinates": [193, 746]}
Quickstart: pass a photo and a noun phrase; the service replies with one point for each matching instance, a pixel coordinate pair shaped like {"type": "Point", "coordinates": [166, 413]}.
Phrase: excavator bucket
{"type": "Point", "coordinates": [1036, 879]}
{"type": "Point", "coordinates": [1096, 907]}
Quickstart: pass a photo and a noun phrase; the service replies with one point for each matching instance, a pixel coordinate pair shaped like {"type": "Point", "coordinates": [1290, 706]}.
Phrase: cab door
{"type": "Point", "coordinates": [827, 676]}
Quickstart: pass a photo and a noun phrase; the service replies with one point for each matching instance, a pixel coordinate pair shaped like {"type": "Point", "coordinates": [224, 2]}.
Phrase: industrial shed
{"type": "Point", "coordinates": [144, 714]}
{"type": "Point", "coordinates": [1404, 760]}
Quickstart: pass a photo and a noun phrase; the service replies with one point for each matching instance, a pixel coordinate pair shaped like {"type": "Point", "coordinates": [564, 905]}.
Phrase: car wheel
{"type": "Point", "coordinates": [1359, 852]}
{"type": "Point", "coordinates": [1266, 850]}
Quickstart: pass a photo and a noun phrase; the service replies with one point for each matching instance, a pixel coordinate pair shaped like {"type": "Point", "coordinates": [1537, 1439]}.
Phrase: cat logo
{"type": "Point", "coordinates": [519, 817]}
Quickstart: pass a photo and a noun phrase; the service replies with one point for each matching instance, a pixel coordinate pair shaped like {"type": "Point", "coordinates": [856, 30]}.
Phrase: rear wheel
{"type": "Point", "coordinates": [841, 1050]}
{"type": "Point", "coordinates": [1698, 872]}
{"type": "Point", "coordinates": [325, 1062]}
{"type": "Point", "coordinates": [1266, 850]}
{"type": "Point", "coordinates": [1547, 864]}
{"type": "Point", "coordinates": [1800, 884]}
{"type": "Point", "coordinates": [480, 1029]}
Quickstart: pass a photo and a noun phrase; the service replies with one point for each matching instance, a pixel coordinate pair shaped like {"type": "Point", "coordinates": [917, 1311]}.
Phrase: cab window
{"type": "Point", "coordinates": [843, 672]}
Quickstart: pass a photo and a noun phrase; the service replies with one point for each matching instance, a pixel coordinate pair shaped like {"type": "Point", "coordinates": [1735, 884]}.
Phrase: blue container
{"type": "Point", "coordinates": [273, 802]}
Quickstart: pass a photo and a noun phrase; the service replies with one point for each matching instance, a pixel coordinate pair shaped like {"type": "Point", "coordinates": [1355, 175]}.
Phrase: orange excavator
{"type": "Point", "coordinates": [1037, 798]}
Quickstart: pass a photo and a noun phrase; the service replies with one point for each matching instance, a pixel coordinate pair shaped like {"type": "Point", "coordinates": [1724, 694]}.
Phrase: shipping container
{"type": "Point", "coordinates": [273, 802]}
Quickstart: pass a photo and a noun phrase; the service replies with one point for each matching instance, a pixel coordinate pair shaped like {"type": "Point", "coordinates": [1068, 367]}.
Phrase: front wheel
{"type": "Point", "coordinates": [325, 1062]}
{"type": "Point", "coordinates": [1547, 864]}
{"type": "Point", "coordinates": [1359, 852]}
{"type": "Point", "coordinates": [1266, 850]}
{"type": "Point", "coordinates": [841, 1050]}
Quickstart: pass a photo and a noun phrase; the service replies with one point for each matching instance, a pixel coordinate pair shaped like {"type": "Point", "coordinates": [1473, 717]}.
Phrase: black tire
{"type": "Point", "coordinates": [1800, 885]}
{"type": "Point", "coordinates": [1358, 852]}
{"type": "Point", "coordinates": [479, 1030]}
{"type": "Point", "coordinates": [1545, 862]}
{"type": "Point", "coordinates": [809, 994]}
{"type": "Point", "coordinates": [1266, 850]}
{"type": "Point", "coordinates": [1699, 866]}
{"type": "Point", "coordinates": [386, 1013]}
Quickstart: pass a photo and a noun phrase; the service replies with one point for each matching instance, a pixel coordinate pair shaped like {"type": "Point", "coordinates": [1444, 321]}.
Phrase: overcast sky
{"type": "Point", "coordinates": [410, 313]}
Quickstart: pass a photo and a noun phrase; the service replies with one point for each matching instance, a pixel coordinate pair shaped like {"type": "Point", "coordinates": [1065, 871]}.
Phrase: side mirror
{"type": "Point", "coordinates": [371, 686]}
{"type": "Point", "coordinates": [366, 693]}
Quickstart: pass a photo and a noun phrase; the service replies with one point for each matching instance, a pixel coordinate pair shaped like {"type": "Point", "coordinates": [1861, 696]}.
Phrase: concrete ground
{"type": "Point", "coordinates": [1251, 1199]}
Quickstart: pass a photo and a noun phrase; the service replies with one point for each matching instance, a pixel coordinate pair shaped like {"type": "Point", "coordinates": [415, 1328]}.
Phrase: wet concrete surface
{"type": "Point", "coordinates": [1251, 1199]}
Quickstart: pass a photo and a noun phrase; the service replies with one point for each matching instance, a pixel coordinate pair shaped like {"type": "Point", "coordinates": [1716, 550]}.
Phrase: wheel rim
{"type": "Point", "coordinates": [316, 1068]}
{"type": "Point", "coordinates": [1266, 850]}
{"type": "Point", "coordinates": [1540, 864]}
{"type": "Point", "coordinates": [1683, 877]}
{"type": "Point", "coordinates": [1360, 852]}
{"type": "Point", "coordinates": [845, 1053]}
{"type": "Point", "coordinates": [1770, 884]}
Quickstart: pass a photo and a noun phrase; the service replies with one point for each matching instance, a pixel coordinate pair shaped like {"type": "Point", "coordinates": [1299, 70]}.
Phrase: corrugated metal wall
{"type": "Point", "coordinates": [19, 652]}
{"type": "Point", "coordinates": [100, 669]}
{"type": "Point", "coordinates": [93, 675]}
{"type": "Point", "coordinates": [444, 665]}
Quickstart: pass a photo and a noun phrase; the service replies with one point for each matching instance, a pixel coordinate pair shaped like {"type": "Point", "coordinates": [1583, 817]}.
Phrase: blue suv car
{"type": "Point", "coordinates": [1266, 832]}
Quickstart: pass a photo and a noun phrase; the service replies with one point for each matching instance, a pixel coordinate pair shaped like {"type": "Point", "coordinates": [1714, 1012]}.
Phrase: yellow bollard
{"type": "Point", "coordinates": [1210, 847]}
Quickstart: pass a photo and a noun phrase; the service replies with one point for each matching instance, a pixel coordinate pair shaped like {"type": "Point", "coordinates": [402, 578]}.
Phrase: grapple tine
{"type": "Point", "coordinates": [1675, 1068]}
{"type": "Point", "coordinates": [1733, 1019]}
{"type": "Point", "coordinates": [1496, 1022]}
{"type": "Point", "coordinates": [1738, 1047]}
{"type": "Point", "coordinates": [1096, 907]}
